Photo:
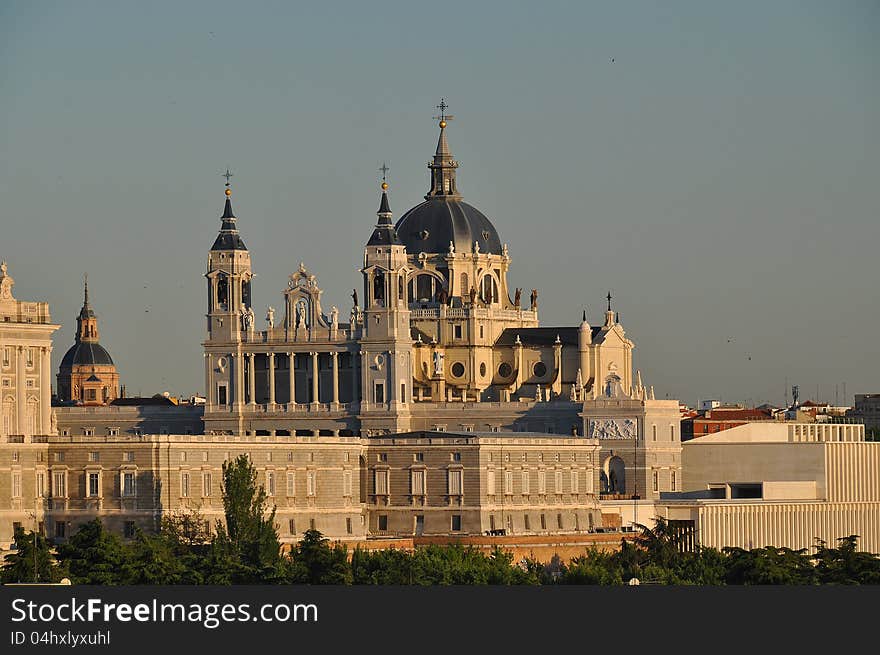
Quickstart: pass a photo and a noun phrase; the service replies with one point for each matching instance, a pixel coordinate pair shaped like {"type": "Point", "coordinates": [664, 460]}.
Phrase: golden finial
{"type": "Point", "coordinates": [384, 169]}
{"type": "Point", "coordinates": [227, 175]}
{"type": "Point", "coordinates": [443, 116]}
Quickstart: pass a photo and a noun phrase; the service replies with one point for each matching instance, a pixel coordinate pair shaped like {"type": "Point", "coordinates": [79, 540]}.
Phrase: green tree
{"type": "Point", "coordinates": [30, 561]}
{"type": "Point", "coordinates": [248, 539]}
{"type": "Point", "coordinates": [768, 566]}
{"type": "Point", "coordinates": [845, 564]}
{"type": "Point", "coordinates": [315, 561]}
{"type": "Point", "coordinates": [152, 560]}
{"type": "Point", "coordinates": [94, 556]}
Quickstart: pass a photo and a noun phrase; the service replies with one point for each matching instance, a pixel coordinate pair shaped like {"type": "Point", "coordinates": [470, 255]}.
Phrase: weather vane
{"type": "Point", "coordinates": [443, 117]}
{"type": "Point", "coordinates": [227, 175]}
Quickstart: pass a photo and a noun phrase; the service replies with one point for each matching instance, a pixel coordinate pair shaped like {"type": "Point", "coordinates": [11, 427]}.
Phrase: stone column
{"type": "Point", "coordinates": [45, 391]}
{"type": "Point", "coordinates": [238, 388]}
{"type": "Point", "coordinates": [252, 378]}
{"type": "Point", "coordinates": [20, 381]}
{"type": "Point", "coordinates": [335, 357]}
{"type": "Point", "coordinates": [271, 378]}
{"type": "Point", "coordinates": [355, 397]}
{"type": "Point", "coordinates": [365, 383]}
{"type": "Point", "coordinates": [315, 398]}
{"type": "Point", "coordinates": [209, 382]}
{"type": "Point", "coordinates": [291, 373]}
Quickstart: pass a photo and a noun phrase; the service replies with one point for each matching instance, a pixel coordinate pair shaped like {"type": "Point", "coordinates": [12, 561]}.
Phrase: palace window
{"type": "Point", "coordinates": [184, 485]}
{"type": "Point", "coordinates": [383, 523]}
{"type": "Point", "coordinates": [490, 482]}
{"type": "Point", "coordinates": [129, 484]}
{"type": "Point", "coordinates": [16, 484]}
{"type": "Point", "coordinates": [206, 484]}
{"type": "Point", "coordinates": [380, 482]}
{"type": "Point", "coordinates": [311, 483]}
{"type": "Point", "coordinates": [454, 482]}
{"type": "Point", "coordinates": [270, 483]}
{"type": "Point", "coordinates": [94, 480]}
{"type": "Point", "coordinates": [417, 482]}
{"type": "Point", "coordinates": [525, 482]}
{"type": "Point", "coordinates": [129, 530]}
{"type": "Point", "coordinates": [59, 484]}
{"type": "Point", "coordinates": [456, 522]}
{"type": "Point", "coordinates": [346, 484]}
{"type": "Point", "coordinates": [291, 484]}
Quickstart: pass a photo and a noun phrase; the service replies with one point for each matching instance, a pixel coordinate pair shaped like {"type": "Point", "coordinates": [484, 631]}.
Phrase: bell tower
{"type": "Point", "coordinates": [229, 278]}
{"type": "Point", "coordinates": [386, 344]}
{"type": "Point", "coordinates": [230, 318]}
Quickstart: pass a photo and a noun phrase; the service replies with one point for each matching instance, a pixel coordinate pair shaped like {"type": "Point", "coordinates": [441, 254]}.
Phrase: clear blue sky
{"type": "Point", "coordinates": [720, 176]}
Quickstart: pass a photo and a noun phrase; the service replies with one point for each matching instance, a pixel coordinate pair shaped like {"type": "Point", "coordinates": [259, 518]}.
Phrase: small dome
{"type": "Point", "coordinates": [430, 226]}
{"type": "Point", "coordinates": [86, 354]}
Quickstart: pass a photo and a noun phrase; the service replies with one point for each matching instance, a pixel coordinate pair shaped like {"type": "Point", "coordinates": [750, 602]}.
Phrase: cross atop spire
{"type": "Point", "coordinates": [227, 175]}
{"type": "Point", "coordinates": [384, 168]}
{"type": "Point", "coordinates": [609, 301]}
{"type": "Point", "coordinates": [86, 311]}
{"type": "Point", "coordinates": [443, 117]}
{"type": "Point", "coordinates": [443, 165]}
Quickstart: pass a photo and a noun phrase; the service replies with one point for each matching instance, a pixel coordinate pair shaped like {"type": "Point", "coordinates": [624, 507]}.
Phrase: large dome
{"type": "Point", "coordinates": [432, 225]}
{"type": "Point", "coordinates": [86, 354]}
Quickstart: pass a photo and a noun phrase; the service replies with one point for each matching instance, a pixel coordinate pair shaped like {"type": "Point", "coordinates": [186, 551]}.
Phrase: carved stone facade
{"type": "Point", "coordinates": [437, 334]}
{"type": "Point", "coordinates": [25, 376]}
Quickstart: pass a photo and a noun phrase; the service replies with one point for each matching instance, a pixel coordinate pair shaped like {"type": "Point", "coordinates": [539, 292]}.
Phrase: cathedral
{"type": "Point", "coordinates": [87, 374]}
{"type": "Point", "coordinates": [435, 404]}
{"type": "Point", "coordinates": [435, 340]}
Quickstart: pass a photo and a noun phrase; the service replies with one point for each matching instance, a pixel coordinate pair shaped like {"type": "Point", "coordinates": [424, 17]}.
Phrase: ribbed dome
{"type": "Point", "coordinates": [430, 226]}
{"type": "Point", "coordinates": [86, 354]}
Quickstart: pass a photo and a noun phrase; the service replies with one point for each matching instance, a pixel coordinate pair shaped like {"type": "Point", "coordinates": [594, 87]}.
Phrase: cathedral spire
{"type": "Point", "coordinates": [384, 212]}
{"type": "Point", "coordinates": [385, 232]}
{"type": "Point", "coordinates": [443, 166]}
{"type": "Point", "coordinates": [228, 239]}
{"type": "Point", "coordinates": [86, 310]}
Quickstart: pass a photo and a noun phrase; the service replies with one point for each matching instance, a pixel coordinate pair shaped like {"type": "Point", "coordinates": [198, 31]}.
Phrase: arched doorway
{"type": "Point", "coordinates": [614, 474]}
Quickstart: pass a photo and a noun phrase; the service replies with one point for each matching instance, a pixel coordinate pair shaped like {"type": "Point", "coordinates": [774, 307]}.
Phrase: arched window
{"type": "Point", "coordinates": [379, 285]}
{"type": "Point", "coordinates": [223, 293]}
{"type": "Point", "coordinates": [489, 289]}
{"type": "Point", "coordinates": [423, 288]}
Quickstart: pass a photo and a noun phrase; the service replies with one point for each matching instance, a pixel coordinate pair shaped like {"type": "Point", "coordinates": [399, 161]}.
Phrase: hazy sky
{"type": "Point", "coordinates": [720, 176]}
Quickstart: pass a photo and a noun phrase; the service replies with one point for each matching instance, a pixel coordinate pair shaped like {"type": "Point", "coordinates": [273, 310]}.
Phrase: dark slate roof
{"type": "Point", "coordinates": [85, 354]}
{"type": "Point", "coordinates": [540, 336]}
{"type": "Point", "coordinates": [430, 226]}
{"type": "Point", "coordinates": [228, 239]}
